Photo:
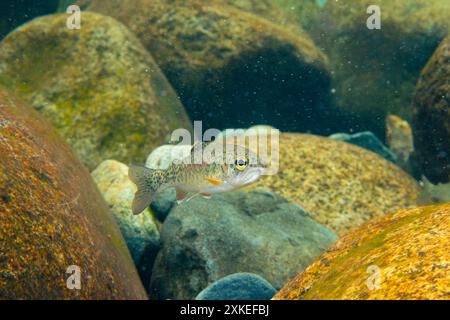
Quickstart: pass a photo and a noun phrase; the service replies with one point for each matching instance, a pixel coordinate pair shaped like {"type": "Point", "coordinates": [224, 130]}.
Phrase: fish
{"type": "Point", "coordinates": [225, 167]}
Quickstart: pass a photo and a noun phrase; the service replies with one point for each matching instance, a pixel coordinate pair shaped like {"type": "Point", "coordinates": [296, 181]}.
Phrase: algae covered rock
{"type": "Point", "coordinates": [375, 71]}
{"type": "Point", "coordinates": [259, 232]}
{"type": "Point", "coordinates": [52, 217]}
{"type": "Point", "coordinates": [140, 231]}
{"type": "Point", "coordinates": [431, 116]}
{"type": "Point", "coordinates": [341, 185]}
{"type": "Point", "coordinates": [405, 255]}
{"type": "Point", "coordinates": [226, 62]}
{"type": "Point", "coordinates": [238, 286]}
{"type": "Point", "coordinates": [98, 86]}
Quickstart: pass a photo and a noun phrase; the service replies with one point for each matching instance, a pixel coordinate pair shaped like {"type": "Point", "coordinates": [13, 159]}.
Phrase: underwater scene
{"type": "Point", "coordinates": [224, 150]}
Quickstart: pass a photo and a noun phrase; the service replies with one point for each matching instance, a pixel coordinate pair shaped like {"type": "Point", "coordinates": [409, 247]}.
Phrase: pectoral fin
{"type": "Point", "coordinates": [181, 195]}
{"type": "Point", "coordinates": [206, 195]}
{"type": "Point", "coordinates": [184, 196]}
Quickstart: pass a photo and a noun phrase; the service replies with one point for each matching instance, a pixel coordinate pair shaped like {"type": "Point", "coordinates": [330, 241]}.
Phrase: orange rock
{"type": "Point", "coordinates": [405, 255]}
{"type": "Point", "coordinates": [341, 185]}
{"type": "Point", "coordinates": [52, 216]}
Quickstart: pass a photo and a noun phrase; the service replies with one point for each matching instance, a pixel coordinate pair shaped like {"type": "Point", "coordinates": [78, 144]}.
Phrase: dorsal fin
{"type": "Point", "coordinates": [199, 145]}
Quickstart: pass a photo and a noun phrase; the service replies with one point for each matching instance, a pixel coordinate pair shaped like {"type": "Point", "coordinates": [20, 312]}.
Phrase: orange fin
{"type": "Point", "coordinates": [214, 181]}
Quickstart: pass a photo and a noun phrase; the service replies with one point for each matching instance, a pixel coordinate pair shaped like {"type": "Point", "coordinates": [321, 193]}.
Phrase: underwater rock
{"type": "Point", "coordinates": [224, 61]}
{"type": "Point", "coordinates": [304, 12]}
{"type": "Point", "coordinates": [375, 71]}
{"type": "Point", "coordinates": [399, 138]}
{"type": "Point", "coordinates": [140, 231]}
{"type": "Point", "coordinates": [13, 13]}
{"type": "Point", "coordinates": [366, 140]}
{"type": "Point", "coordinates": [52, 216]}
{"type": "Point", "coordinates": [163, 203]}
{"type": "Point", "coordinates": [163, 156]}
{"type": "Point", "coordinates": [258, 232]}
{"type": "Point", "coordinates": [401, 256]}
{"type": "Point", "coordinates": [238, 286]}
{"type": "Point", "coordinates": [98, 86]}
{"type": "Point", "coordinates": [434, 193]}
{"type": "Point", "coordinates": [339, 184]}
{"type": "Point", "coordinates": [431, 116]}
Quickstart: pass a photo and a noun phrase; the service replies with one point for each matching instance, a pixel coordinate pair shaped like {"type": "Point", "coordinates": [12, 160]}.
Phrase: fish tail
{"type": "Point", "coordinates": [147, 182]}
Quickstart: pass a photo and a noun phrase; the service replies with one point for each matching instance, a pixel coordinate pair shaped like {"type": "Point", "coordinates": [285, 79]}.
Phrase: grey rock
{"type": "Point", "coordinates": [163, 203]}
{"type": "Point", "coordinates": [260, 232]}
{"type": "Point", "coordinates": [238, 286]}
{"type": "Point", "coordinates": [367, 140]}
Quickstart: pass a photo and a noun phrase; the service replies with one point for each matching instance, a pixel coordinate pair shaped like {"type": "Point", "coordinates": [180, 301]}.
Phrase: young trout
{"type": "Point", "coordinates": [234, 167]}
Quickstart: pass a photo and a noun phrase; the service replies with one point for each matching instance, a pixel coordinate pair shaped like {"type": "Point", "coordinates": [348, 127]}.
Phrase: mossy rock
{"type": "Point", "coordinates": [303, 12]}
{"type": "Point", "coordinates": [52, 216]}
{"type": "Point", "coordinates": [431, 117]}
{"type": "Point", "coordinates": [340, 184]}
{"type": "Point", "coordinates": [375, 71]}
{"type": "Point", "coordinates": [226, 62]}
{"type": "Point", "coordinates": [407, 253]}
{"type": "Point", "coordinates": [140, 231]}
{"type": "Point", "coordinates": [98, 86]}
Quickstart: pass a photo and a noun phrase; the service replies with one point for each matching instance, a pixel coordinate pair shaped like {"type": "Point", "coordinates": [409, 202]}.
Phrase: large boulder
{"type": "Point", "coordinates": [401, 256]}
{"type": "Point", "coordinates": [52, 217]}
{"type": "Point", "coordinates": [431, 116]}
{"type": "Point", "coordinates": [259, 232]}
{"type": "Point", "coordinates": [341, 185]}
{"type": "Point", "coordinates": [375, 71]}
{"type": "Point", "coordinates": [140, 231]}
{"type": "Point", "coordinates": [226, 63]}
{"type": "Point", "coordinates": [98, 86]}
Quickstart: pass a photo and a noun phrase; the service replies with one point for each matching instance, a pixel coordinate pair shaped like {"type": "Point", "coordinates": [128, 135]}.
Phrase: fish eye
{"type": "Point", "coordinates": [241, 163]}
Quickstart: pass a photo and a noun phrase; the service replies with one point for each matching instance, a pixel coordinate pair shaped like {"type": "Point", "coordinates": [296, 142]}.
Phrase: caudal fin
{"type": "Point", "coordinates": [147, 186]}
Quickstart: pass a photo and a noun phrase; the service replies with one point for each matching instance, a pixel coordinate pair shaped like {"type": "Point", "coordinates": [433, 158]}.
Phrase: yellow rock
{"type": "Point", "coordinates": [342, 185]}
{"type": "Point", "coordinates": [408, 252]}
{"type": "Point", "coordinates": [399, 137]}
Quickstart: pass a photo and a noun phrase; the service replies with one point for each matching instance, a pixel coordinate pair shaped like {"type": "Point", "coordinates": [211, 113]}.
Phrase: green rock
{"type": "Point", "coordinates": [140, 231]}
{"type": "Point", "coordinates": [225, 62]}
{"type": "Point", "coordinates": [98, 86]}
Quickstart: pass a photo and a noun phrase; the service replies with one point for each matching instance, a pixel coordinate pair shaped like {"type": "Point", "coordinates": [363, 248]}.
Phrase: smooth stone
{"type": "Point", "coordinates": [238, 286]}
{"type": "Point", "coordinates": [259, 232]}
{"type": "Point", "coordinates": [140, 231]}
{"type": "Point", "coordinates": [366, 140]}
